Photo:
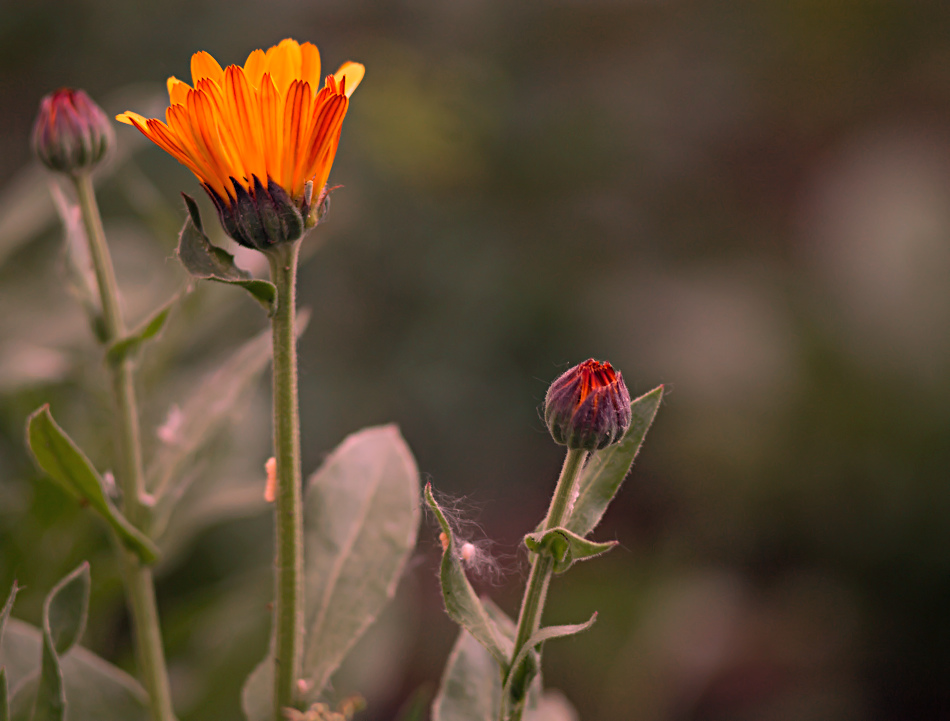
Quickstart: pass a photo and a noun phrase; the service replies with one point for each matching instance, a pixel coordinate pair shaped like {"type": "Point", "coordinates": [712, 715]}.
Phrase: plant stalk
{"type": "Point", "coordinates": [139, 584]}
{"type": "Point", "coordinates": [542, 568]}
{"type": "Point", "coordinates": [288, 617]}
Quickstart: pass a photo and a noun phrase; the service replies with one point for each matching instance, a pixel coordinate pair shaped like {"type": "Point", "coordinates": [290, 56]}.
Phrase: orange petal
{"type": "Point", "coordinates": [310, 65]}
{"type": "Point", "coordinates": [297, 119]}
{"type": "Point", "coordinates": [283, 64]}
{"type": "Point", "coordinates": [177, 91]}
{"type": "Point", "coordinates": [244, 113]}
{"type": "Point", "coordinates": [254, 67]}
{"type": "Point", "coordinates": [353, 75]}
{"type": "Point", "coordinates": [272, 114]}
{"type": "Point", "coordinates": [205, 66]}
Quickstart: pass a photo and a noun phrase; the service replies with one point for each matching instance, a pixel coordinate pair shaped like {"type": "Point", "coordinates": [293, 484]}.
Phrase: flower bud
{"type": "Point", "coordinates": [71, 133]}
{"type": "Point", "coordinates": [588, 407]}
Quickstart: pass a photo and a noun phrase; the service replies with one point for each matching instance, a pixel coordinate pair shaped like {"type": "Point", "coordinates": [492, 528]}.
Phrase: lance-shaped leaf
{"type": "Point", "coordinates": [535, 640]}
{"type": "Point", "coordinates": [61, 459]}
{"type": "Point", "coordinates": [64, 618]}
{"type": "Point", "coordinates": [95, 689]}
{"type": "Point", "coordinates": [565, 547]}
{"type": "Point", "coordinates": [147, 329]}
{"type": "Point", "coordinates": [205, 411]}
{"type": "Point", "coordinates": [361, 517]}
{"type": "Point", "coordinates": [461, 602]}
{"type": "Point", "coordinates": [605, 470]}
{"type": "Point", "coordinates": [204, 260]}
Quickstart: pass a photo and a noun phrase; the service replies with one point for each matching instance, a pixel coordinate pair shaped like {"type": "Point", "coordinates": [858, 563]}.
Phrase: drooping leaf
{"type": "Point", "coordinates": [600, 479]}
{"type": "Point", "coordinates": [204, 412]}
{"type": "Point", "coordinates": [361, 517]}
{"type": "Point", "coordinates": [461, 602]}
{"type": "Point", "coordinates": [147, 329]}
{"type": "Point", "coordinates": [95, 689]}
{"type": "Point", "coordinates": [204, 260]}
{"type": "Point", "coordinates": [65, 463]}
{"type": "Point", "coordinates": [564, 547]}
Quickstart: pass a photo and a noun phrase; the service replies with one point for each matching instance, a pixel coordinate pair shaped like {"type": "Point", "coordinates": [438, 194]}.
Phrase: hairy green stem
{"type": "Point", "coordinates": [139, 585]}
{"type": "Point", "coordinates": [288, 610]}
{"type": "Point", "coordinates": [542, 568]}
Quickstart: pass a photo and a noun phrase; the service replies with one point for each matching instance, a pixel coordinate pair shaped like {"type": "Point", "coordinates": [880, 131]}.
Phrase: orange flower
{"type": "Point", "coordinates": [259, 130]}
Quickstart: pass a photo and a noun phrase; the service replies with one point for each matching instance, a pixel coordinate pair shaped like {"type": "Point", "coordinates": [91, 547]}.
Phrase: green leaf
{"type": "Point", "coordinates": [7, 607]}
{"type": "Point", "coordinates": [461, 602]}
{"type": "Point", "coordinates": [62, 460]}
{"type": "Point", "coordinates": [539, 637]}
{"type": "Point", "coordinates": [65, 609]}
{"type": "Point", "coordinates": [565, 547]}
{"type": "Point", "coordinates": [605, 470]}
{"type": "Point", "coordinates": [204, 260]}
{"type": "Point", "coordinates": [95, 689]}
{"type": "Point", "coordinates": [147, 329]}
{"type": "Point", "coordinates": [4, 697]}
{"type": "Point", "coordinates": [471, 684]}
{"type": "Point", "coordinates": [361, 517]}
{"type": "Point", "coordinates": [64, 618]}
{"type": "Point", "coordinates": [204, 412]}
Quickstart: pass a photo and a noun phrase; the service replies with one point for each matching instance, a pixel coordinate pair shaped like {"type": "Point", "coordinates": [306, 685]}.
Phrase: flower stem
{"type": "Point", "coordinates": [139, 585]}
{"type": "Point", "coordinates": [288, 618]}
{"type": "Point", "coordinates": [542, 568]}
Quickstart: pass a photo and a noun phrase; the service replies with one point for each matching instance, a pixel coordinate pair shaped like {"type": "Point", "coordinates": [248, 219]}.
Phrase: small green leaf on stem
{"type": "Point", "coordinates": [605, 470]}
{"type": "Point", "coordinates": [61, 459]}
{"type": "Point", "coordinates": [565, 547]}
{"type": "Point", "coordinates": [64, 618]}
{"type": "Point", "coordinates": [204, 260]}
{"type": "Point", "coordinates": [461, 601]}
{"type": "Point", "coordinates": [148, 329]}
{"type": "Point", "coordinates": [64, 613]}
{"type": "Point", "coordinates": [542, 635]}
{"type": "Point", "coordinates": [471, 684]}
{"type": "Point", "coordinates": [7, 608]}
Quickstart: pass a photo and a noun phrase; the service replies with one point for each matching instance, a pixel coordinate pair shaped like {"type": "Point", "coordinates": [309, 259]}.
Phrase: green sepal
{"type": "Point", "coordinates": [68, 466]}
{"type": "Point", "coordinates": [461, 601]}
{"type": "Point", "coordinates": [64, 618]}
{"type": "Point", "coordinates": [147, 329]}
{"type": "Point", "coordinates": [605, 469]}
{"type": "Point", "coordinates": [565, 547]}
{"type": "Point", "coordinates": [204, 260]}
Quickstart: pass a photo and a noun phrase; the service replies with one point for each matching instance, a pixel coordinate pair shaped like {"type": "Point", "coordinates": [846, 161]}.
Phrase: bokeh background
{"type": "Point", "coordinates": [746, 201]}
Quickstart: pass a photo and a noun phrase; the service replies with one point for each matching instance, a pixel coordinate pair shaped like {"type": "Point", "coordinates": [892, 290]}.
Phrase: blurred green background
{"type": "Point", "coordinates": [746, 201]}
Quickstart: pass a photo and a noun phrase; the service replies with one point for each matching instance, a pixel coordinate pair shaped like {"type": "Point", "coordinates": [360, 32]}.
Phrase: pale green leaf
{"type": "Point", "coordinates": [61, 459]}
{"type": "Point", "coordinates": [361, 517]}
{"type": "Point", "coordinates": [564, 547]}
{"type": "Point", "coordinates": [147, 329]}
{"type": "Point", "coordinates": [95, 689]}
{"type": "Point", "coordinates": [204, 260]}
{"type": "Point", "coordinates": [204, 412]}
{"type": "Point", "coordinates": [605, 469]}
{"type": "Point", "coordinates": [552, 707]}
{"type": "Point", "coordinates": [471, 684]}
{"type": "Point", "coordinates": [65, 609]}
{"type": "Point", "coordinates": [461, 602]}
{"type": "Point", "coordinates": [257, 694]}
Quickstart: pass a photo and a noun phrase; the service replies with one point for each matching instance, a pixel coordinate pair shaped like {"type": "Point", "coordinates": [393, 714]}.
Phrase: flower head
{"type": "Point", "coordinates": [588, 407]}
{"type": "Point", "coordinates": [71, 133]}
{"type": "Point", "coordinates": [261, 138]}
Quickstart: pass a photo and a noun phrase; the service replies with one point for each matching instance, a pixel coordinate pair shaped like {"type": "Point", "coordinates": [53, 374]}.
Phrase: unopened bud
{"type": "Point", "coordinates": [262, 217]}
{"type": "Point", "coordinates": [588, 407]}
{"type": "Point", "coordinates": [71, 133]}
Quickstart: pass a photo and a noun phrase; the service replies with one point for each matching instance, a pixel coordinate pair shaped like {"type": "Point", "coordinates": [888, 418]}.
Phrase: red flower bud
{"type": "Point", "coordinates": [71, 132]}
{"type": "Point", "coordinates": [588, 407]}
